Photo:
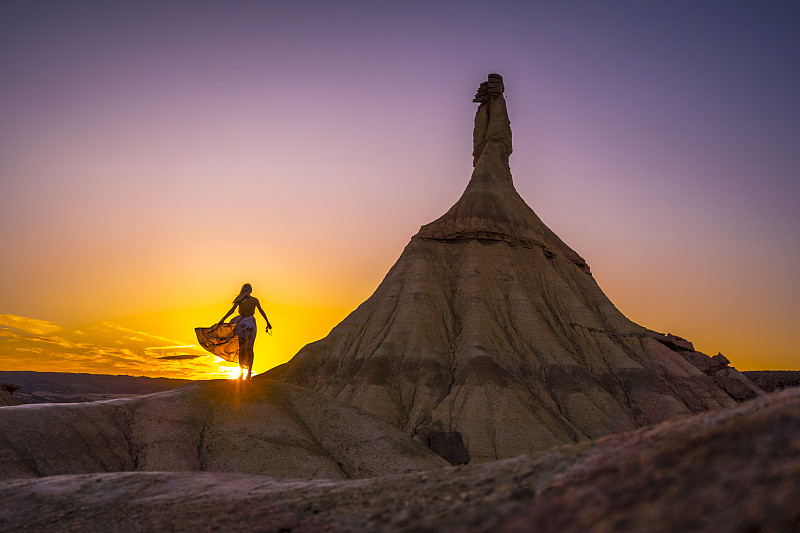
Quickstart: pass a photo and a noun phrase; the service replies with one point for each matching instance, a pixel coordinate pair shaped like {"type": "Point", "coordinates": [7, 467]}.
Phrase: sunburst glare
{"type": "Point", "coordinates": [231, 372]}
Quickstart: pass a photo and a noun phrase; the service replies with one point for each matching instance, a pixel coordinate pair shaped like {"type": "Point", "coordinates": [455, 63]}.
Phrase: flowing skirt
{"type": "Point", "coordinates": [232, 341]}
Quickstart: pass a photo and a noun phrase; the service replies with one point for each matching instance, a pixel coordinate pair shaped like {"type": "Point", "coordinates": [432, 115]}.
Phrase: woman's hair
{"type": "Point", "coordinates": [244, 293]}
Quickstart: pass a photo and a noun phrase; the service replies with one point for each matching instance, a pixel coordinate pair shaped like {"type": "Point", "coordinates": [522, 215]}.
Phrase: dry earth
{"type": "Point", "coordinates": [264, 427]}
{"type": "Point", "coordinates": [732, 470]}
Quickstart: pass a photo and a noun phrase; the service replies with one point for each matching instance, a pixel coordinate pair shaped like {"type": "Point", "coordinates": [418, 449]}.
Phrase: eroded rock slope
{"type": "Point", "coordinates": [265, 427]}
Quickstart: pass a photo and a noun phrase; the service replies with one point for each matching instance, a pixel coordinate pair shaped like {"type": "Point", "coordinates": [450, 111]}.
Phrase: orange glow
{"type": "Point", "coordinates": [232, 372]}
{"type": "Point", "coordinates": [156, 344]}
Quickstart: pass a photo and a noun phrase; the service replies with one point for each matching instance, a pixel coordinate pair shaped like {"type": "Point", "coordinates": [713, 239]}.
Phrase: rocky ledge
{"type": "Point", "coordinates": [718, 368]}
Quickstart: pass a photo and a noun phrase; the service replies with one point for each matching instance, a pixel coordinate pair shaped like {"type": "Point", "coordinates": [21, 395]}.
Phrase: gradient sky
{"type": "Point", "coordinates": [154, 156]}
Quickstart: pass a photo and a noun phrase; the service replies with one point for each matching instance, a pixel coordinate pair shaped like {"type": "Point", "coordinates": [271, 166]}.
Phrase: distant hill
{"type": "Point", "coordinates": [63, 387]}
{"type": "Point", "coordinates": [772, 380]}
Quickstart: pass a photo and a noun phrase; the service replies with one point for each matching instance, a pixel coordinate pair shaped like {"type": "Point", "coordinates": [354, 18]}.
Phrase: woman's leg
{"type": "Point", "coordinates": [251, 340]}
{"type": "Point", "coordinates": [246, 359]}
{"type": "Point", "coordinates": [247, 338]}
{"type": "Point", "coordinates": [242, 354]}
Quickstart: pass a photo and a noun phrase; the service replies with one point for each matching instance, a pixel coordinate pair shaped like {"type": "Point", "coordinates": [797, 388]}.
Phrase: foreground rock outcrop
{"type": "Point", "coordinates": [268, 428]}
{"type": "Point", "coordinates": [735, 470]}
{"type": "Point", "coordinates": [490, 338]}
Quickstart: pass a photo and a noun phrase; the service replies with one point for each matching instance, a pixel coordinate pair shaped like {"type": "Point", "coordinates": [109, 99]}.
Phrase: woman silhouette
{"type": "Point", "coordinates": [235, 340]}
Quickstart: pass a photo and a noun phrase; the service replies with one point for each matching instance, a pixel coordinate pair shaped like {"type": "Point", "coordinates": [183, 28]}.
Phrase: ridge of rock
{"type": "Point", "coordinates": [266, 427]}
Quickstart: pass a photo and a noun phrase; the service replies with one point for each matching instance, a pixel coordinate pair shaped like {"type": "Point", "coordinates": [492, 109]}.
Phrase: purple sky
{"type": "Point", "coordinates": [154, 155]}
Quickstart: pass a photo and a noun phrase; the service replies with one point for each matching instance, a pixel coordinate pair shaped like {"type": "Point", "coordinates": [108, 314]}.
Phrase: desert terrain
{"type": "Point", "coordinates": [734, 469]}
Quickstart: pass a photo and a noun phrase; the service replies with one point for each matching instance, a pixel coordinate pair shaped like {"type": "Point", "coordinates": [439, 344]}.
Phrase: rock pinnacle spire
{"type": "Point", "coordinates": [492, 132]}
{"type": "Point", "coordinates": [491, 208]}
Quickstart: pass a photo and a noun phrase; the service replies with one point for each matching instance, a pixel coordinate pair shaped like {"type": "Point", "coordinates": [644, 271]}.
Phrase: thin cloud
{"type": "Point", "coordinates": [30, 344]}
{"type": "Point", "coordinates": [146, 335]}
{"type": "Point", "coordinates": [173, 347]}
{"type": "Point", "coordinates": [30, 325]}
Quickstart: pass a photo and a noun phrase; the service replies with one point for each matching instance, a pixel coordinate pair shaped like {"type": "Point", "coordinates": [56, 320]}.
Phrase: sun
{"type": "Point", "coordinates": [230, 372]}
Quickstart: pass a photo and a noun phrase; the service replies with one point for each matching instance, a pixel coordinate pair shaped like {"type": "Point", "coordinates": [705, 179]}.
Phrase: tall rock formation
{"type": "Point", "coordinates": [489, 337]}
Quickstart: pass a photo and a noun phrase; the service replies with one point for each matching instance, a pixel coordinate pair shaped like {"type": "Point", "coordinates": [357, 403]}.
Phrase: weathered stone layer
{"type": "Point", "coordinates": [511, 349]}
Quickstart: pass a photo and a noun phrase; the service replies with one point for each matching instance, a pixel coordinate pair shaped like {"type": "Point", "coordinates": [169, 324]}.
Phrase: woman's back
{"type": "Point", "coordinates": [247, 307]}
